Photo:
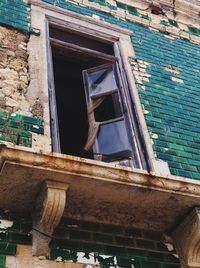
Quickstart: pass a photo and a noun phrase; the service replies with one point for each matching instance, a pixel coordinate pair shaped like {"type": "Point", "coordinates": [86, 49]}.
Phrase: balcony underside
{"type": "Point", "coordinates": [97, 192]}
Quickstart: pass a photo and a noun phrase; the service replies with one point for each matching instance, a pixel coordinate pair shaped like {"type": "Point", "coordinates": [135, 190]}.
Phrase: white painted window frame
{"type": "Point", "coordinates": [40, 12]}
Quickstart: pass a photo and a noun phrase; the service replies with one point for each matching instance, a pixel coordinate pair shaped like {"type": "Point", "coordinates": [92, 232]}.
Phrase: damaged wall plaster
{"type": "Point", "coordinates": [139, 69]}
{"type": "Point", "coordinates": [14, 74]}
{"type": "Point", "coordinates": [14, 77]}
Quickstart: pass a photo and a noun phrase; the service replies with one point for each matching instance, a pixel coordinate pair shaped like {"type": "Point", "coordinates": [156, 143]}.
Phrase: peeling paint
{"type": "Point", "coordinates": [178, 80]}
{"type": "Point", "coordinates": [169, 246]}
{"type": "Point", "coordinates": [59, 259]}
{"type": "Point", "coordinates": [146, 112]}
{"type": "Point", "coordinates": [172, 69]}
{"type": "Point", "coordinates": [96, 17]}
{"type": "Point", "coordinates": [155, 136]}
{"type": "Point", "coordinates": [5, 224]}
{"type": "Point", "coordinates": [139, 69]}
{"type": "Point", "coordinates": [89, 260]}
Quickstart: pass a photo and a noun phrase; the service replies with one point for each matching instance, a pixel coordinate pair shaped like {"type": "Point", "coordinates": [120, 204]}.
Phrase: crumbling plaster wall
{"type": "Point", "coordinates": [14, 74]}
{"type": "Point", "coordinates": [15, 79]}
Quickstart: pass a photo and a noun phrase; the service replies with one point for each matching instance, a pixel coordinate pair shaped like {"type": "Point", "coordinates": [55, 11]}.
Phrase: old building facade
{"type": "Point", "coordinates": [99, 133]}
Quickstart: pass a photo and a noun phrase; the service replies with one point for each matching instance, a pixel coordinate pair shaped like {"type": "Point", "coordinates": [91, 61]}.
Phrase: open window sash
{"type": "Point", "coordinates": [108, 137]}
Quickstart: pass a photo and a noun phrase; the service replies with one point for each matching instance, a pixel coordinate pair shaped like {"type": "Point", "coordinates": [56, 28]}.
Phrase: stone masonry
{"type": "Point", "coordinates": [14, 77]}
{"type": "Point", "coordinates": [14, 74]}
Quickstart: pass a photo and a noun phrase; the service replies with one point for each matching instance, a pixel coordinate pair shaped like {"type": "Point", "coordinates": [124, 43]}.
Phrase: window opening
{"type": "Point", "coordinates": [89, 106]}
{"type": "Point", "coordinates": [70, 101]}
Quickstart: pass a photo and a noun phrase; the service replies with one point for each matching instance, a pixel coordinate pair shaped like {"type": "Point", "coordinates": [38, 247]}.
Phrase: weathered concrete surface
{"type": "Point", "coordinates": [187, 238]}
{"type": "Point", "coordinates": [97, 192]}
{"type": "Point", "coordinates": [49, 208]}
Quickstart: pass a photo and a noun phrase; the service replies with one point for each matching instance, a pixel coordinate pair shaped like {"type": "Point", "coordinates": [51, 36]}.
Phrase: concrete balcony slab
{"type": "Point", "coordinates": [98, 192]}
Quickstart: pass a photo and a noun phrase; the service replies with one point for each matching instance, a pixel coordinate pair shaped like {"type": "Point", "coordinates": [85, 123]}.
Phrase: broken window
{"type": "Point", "coordinates": [107, 134]}
{"type": "Point", "coordinates": [90, 114]}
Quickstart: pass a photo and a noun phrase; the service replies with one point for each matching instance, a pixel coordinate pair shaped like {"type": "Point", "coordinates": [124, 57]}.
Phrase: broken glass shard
{"type": "Point", "coordinates": [102, 82]}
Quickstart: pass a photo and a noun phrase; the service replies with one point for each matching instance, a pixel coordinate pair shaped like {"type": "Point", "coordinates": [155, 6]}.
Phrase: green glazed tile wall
{"type": "Point", "coordinates": [110, 244]}
{"type": "Point", "coordinates": [17, 128]}
{"type": "Point", "coordinates": [131, 247]}
{"type": "Point", "coordinates": [173, 108]}
{"type": "Point", "coordinates": [15, 13]}
{"type": "Point", "coordinates": [2, 261]}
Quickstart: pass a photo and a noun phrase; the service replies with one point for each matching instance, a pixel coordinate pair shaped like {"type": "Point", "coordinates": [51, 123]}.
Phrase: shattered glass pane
{"type": "Point", "coordinates": [102, 82]}
{"type": "Point", "coordinates": [109, 109]}
{"type": "Point", "coordinates": [112, 138]}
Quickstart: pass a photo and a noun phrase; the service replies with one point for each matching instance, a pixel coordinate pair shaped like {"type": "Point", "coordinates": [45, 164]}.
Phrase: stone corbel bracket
{"type": "Point", "coordinates": [50, 205]}
{"type": "Point", "coordinates": [187, 240]}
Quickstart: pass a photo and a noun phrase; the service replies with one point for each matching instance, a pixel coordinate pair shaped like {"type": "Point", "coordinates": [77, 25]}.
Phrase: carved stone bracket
{"type": "Point", "coordinates": [48, 211]}
{"type": "Point", "coordinates": [187, 240]}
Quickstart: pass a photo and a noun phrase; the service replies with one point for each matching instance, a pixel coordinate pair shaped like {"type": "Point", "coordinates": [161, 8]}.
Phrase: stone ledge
{"type": "Point", "coordinates": [94, 190]}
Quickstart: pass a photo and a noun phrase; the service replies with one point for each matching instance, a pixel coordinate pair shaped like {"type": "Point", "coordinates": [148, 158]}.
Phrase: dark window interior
{"type": "Point", "coordinates": [70, 99]}
{"type": "Point", "coordinates": [79, 39]}
{"type": "Point", "coordinates": [73, 53]}
{"type": "Point", "coordinates": [109, 108]}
